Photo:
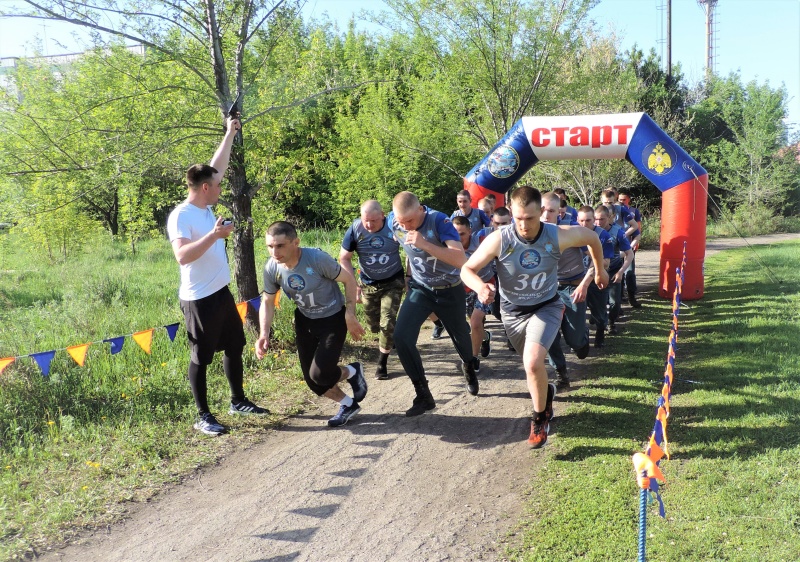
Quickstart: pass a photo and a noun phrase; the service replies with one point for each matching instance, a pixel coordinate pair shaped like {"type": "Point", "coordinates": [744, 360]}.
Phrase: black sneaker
{"type": "Point", "coordinates": [486, 344]}
{"type": "Point", "coordinates": [247, 408]}
{"type": "Point", "coordinates": [612, 330]}
{"type": "Point", "coordinates": [634, 303]}
{"type": "Point", "coordinates": [548, 408]}
{"type": "Point", "coordinates": [472, 379]}
{"type": "Point", "coordinates": [438, 331]}
{"type": "Point", "coordinates": [562, 380]}
{"type": "Point", "coordinates": [476, 365]}
{"type": "Point", "coordinates": [599, 338]}
{"type": "Point", "coordinates": [583, 352]}
{"type": "Point", "coordinates": [381, 373]}
{"type": "Point", "coordinates": [344, 414]}
{"type": "Point", "coordinates": [358, 382]}
{"type": "Point", "coordinates": [209, 425]}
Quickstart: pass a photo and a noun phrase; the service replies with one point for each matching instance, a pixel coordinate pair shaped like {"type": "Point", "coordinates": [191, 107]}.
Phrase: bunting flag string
{"type": "Point", "coordinates": [646, 465]}
{"type": "Point", "coordinates": [143, 338]}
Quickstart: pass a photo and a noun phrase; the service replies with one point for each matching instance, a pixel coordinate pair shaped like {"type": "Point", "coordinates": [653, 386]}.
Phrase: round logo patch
{"type": "Point", "coordinates": [529, 259]}
{"type": "Point", "coordinates": [376, 242]}
{"type": "Point", "coordinates": [503, 162]}
{"type": "Point", "coordinates": [659, 159]}
{"type": "Point", "coordinates": [296, 282]}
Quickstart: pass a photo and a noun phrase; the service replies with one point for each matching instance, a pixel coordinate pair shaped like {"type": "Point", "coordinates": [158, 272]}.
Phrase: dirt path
{"type": "Point", "coordinates": [447, 485]}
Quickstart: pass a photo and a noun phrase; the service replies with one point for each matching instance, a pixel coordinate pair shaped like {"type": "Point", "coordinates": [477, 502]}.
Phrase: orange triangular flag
{"type": "Point", "coordinates": [656, 453]}
{"type": "Point", "coordinates": [78, 353]}
{"type": "Point", "coordinates": [277, 300]}
{"type": "Point", "coordinates": [242, 308]}
{"type": "Point", "coordinates": [144, 339]}
{"type": "Point", "coordinates": [5, 362]}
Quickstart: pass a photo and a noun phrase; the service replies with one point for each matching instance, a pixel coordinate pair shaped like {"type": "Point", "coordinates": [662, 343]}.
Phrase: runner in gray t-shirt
{"type": "Point", "coordinates": [322, 316]}
{"type": "Point", "coordinates": [527, 253]}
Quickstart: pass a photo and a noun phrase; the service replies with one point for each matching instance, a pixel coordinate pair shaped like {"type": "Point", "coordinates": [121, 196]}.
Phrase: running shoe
{"type": "Point", "coordinates": [358, 382]}
{"type": "Point", "coordinates": [486, 344]}
{"type": "Point", "coordinates": [438, 331]}
{"type": "Point", "coordinates": [539, 431]}
{"type": "Point", "coordinates": [562, 380]}
{"type": "Point", "coordinates": [247, 408]}
{"type": "Point", "coordinates": [344, 414]}
{"type": "Point", "coordinates": [209, 425]}
{"type": "Point", "coordinates": [381, 373]}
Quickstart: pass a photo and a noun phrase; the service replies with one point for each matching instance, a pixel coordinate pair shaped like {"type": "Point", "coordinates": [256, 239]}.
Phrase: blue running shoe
{"type": "Point", "coordinates": [209, 425]}
{"type": "Point", "coordinates": [344, 414]}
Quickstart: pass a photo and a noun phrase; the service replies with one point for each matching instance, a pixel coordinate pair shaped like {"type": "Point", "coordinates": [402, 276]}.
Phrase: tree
{"type": "Point", "coordinates": [223, 49]}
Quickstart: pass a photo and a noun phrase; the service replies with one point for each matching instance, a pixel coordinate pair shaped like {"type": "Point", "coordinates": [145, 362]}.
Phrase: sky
{"type": "Point", "coordinates": [760, 39]}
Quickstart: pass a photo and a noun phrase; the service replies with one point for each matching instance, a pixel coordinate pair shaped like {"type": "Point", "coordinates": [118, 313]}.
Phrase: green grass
{"type": "Point", "coordinates": [731, 492]}
{"type": "Point", "coordinates": [75, 446]}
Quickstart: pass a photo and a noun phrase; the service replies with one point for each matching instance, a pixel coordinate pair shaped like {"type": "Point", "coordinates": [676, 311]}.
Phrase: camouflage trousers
{"type": "Point", "coordinates": [381, 303]}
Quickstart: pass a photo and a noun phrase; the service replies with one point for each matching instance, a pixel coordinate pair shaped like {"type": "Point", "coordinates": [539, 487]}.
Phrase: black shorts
{"type": "Point", "coordinates": [213, 324]}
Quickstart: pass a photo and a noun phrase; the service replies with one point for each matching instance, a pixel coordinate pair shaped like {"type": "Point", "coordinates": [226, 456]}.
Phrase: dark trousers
{"type": "Point", "coordinates": [596, 300]}
{"type": "Point", "coordinates": [319, 347]}
{"type": "Point", "coordinates": [573, 326]}
{"type": "Point", "coordinates": [449, 305]}
{"type": "Point", "coordinates": [630, 278]}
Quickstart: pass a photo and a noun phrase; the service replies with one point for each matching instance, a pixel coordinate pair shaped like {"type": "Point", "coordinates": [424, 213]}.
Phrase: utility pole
{"type": "Point", "coordinates": [669, 43]}
{"type": "Point", "coordinates": [708, 7]}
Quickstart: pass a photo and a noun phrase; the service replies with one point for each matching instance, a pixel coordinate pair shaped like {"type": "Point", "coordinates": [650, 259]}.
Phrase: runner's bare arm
{"type": "Point", "coordinates": [265, 315]}
{"type": "Point", "coordinates": [353, 325]}
{"type": "Point", "coordinates": [488, 250]}
{"type": "Point", "coordinates": [452, 253]}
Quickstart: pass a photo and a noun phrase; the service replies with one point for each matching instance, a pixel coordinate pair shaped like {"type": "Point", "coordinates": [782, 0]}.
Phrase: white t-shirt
{"type": "Point", "coordinates": [210, 272]}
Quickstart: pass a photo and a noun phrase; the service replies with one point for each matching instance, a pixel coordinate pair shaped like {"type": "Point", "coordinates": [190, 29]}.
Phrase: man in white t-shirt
{"type": "Point", "coordinates": [212, 321]}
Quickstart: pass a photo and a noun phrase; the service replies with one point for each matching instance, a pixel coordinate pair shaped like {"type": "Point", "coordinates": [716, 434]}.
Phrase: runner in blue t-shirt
{"type": "Point", "coordinates": [380, 277]}
{"type": "Point", "coordinates": [624, 198]}
{"type": "Point", "coordinates": [434, 258]}
{"type": "Point", "coordinates": [477, 218]}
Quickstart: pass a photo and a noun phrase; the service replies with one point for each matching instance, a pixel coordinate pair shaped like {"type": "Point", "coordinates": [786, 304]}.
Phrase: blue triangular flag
{"type": "Point", "coordinates": [658, 432]}
{"type": "Point", "coordinates": [172, 330]}
{"type": "Point", "coordinates": [255, 303]}
{"type": "Point", "coordinates": [116, 344]}
{"type": "Point", "coordinates": [43, 359]}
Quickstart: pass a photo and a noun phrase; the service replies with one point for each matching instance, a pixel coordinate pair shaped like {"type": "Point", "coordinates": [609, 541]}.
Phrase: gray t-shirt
{"type": "Point", "coordinates": [527, 270]}
{"type": "Point", "coordinates": [426, 269]}
{"type": "Point", "coordinates": [310, 284]}
{"type": "Point", "coordinates": [378, 252]}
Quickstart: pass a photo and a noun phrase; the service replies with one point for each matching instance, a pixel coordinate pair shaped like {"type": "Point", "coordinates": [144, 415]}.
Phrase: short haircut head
{"type": "Point", "coordinates": [551, 197]}
{"type": "Point", "coordinates": [465, 193]}
{"type": "Point", "coordinates": [371, 206]}
{"type": "Point", "coordinates": [601, 209]}
{"type": "Point", "coordinates": [586, 209]}
{"type": "Point", "coordinates": [501, 212]}
{"type": "Point", "coordinates": [563, 204]}
{"type": "Point", "coordinates": [526, 195]}
{"type": "Point", "coordinates": [461, 221]}
{"type": "Point", "coordinates": [198, 174]}
{"type": "Point", "coordinates": [624, 191]}
{"type": "Point", "coordinates": [405, 202]}
{"type": "Point", "coordinates": [559, 191]}
{"type": "Point", "coordinates": [282, 228]}
{"type": "Point", "coordinates": [490, 197]}
{"type": "Point", "coordinates": [610, 193]}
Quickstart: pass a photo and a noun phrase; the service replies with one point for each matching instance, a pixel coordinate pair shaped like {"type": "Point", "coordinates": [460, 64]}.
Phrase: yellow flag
{"type": "Point", "coordinates": [242, 308]}
{"type": "Point", "coordinates": [277, 300]}
{"type": "Point", "coordinates": [5, 362]}
{"type": "Point", "coordinates": [78, 353]}
{"type": "Point", "coordinates": [144, 339]}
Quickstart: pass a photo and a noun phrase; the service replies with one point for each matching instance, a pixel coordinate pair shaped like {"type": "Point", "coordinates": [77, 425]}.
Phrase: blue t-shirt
{"type": "Point", "coordinates": [378, 252]}
{"type": "Point", "coordinates": [477, 219]}
{"type": "Point", "coordinates": [621, 244]}
{"type": "Point", "coordinates": [426, 269]}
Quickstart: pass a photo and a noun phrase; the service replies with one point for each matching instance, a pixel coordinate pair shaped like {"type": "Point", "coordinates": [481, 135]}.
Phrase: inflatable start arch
{"type": "Point", "coordinates": [633, 136]}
